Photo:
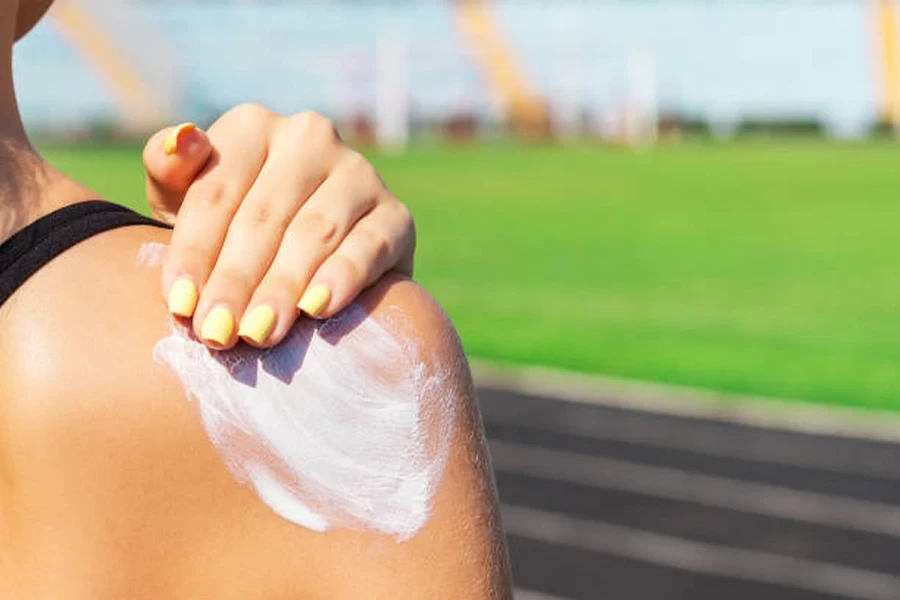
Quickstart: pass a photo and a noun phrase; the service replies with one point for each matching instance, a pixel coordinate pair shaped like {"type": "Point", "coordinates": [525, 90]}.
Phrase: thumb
{"type": "Point", "coordinates": [173, 158]}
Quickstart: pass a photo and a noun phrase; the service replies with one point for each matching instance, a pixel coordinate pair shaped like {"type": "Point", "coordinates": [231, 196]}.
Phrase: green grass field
{"type": "Point", "coordinates": [767, 268]}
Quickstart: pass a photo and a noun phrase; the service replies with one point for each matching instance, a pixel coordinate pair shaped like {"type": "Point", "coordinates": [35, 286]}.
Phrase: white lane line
{"type": "Point", "coordinates": [697, 557]}
{"type": "Point", "coordinates": [529, 595]}
{"type": "Point", "coordinates": [787, 415]}
{"type": "Point", "coordinates": [706, 490]}
{"type": "Point", "coordinates": [759, 446]}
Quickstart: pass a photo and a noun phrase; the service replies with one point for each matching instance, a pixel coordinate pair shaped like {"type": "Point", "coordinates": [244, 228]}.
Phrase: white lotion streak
{"type": "Point", "coordinates": [339, 426]}
{"type": "Point", "coordinates": [151, 254]}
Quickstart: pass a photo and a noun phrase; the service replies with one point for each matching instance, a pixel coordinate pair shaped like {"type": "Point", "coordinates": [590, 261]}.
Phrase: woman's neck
{"type": "Point", "coordinates": [29, 186]}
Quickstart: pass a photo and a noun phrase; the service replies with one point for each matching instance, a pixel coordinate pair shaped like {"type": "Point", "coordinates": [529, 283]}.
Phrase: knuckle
{"type": "Point", "coordinates": [401, 220]}
{"type": "Point", "coordinates": [233, 279]}
{"type": "Point", "coordinates": [349, 270]}
{"type": "Point", "coordinates": [312, 124]}
{"type": "Point", "coordinates": [282, 284]}
{"type": "Point", "coordinates": [251, 114]}
{"type": "Point", "coordinates": [355, 161]}
{"type": "Point", "coordinates": [318, 228]}
{"type": "Point", "coordinates": [185, 252]}
{"type": "Point", "coordinates": [382, 249]}
{"type": "Point", "coordinates": [262, 216]}
{"type": "Point", "coordinates": [355, 168]}
{"type": "Point", "coordinates": [214, 194]}
{"type": "Point", "coordinates": [280, 281]}
{"type": "Point", "coordinates": [365, 172]}
{"type": "Point", "coordinates": [378, 246]}
{"type": "Point", "coordinates": [405, 218]}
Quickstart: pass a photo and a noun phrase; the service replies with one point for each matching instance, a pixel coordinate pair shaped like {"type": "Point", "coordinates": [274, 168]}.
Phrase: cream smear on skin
{"type": "Point", "coordinates": [151, 254]}
{"type": "Point", "coordinates": [341, 426]}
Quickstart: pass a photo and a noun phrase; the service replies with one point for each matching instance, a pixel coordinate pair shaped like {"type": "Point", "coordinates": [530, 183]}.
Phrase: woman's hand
{"type": "Point", "coordinates": [273, 215]}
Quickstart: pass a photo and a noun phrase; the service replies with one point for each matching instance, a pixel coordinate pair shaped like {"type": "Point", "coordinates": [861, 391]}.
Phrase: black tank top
{"type": "Point", "coordinates": [29, 249]}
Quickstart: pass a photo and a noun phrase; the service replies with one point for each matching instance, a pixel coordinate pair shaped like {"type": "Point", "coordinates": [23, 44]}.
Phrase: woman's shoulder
{"type": "Point", "coordinates": [92, 321]}
{"type": "Point", "coordinates": [91, 302]}
{"type": "Point", "coordinates": [93, 324]}
{"type": "Point", "coordinates": [215, 452]}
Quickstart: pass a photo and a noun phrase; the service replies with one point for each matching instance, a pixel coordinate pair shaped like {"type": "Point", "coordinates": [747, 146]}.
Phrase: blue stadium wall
{"type": "Point", "coordinates": [715, 61]}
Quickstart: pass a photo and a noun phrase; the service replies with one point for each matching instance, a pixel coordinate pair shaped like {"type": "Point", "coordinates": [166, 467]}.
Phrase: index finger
{"type": "Point", "coordinates": [211, 202]}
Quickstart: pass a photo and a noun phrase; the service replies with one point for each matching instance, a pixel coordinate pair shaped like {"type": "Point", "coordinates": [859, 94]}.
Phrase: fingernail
{"type": "Point", "coordinates": [218, 326]}
{"type": "Point", "coordinates": [258, 324]}
{"type": "Point", "coordinates": [314, 300]}
{"type": "Point", "coordinates": [183, 298]}
{"type": "Point", "coordinates": [170, 145]}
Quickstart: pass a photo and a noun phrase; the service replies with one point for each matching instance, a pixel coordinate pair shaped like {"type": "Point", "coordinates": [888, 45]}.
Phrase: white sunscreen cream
{"type": "Point", "coordinates": [341, 425]}
{"type": "Point", "coordinates": [151, 254]}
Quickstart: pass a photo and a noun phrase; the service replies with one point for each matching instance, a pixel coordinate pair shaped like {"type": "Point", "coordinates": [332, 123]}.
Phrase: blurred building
{"type": "Point", "coordinates": [614, 68]}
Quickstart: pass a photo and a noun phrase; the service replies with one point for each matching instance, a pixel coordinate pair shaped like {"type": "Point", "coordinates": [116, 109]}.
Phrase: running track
{"type": "Point", "coordinates": [611, 503]}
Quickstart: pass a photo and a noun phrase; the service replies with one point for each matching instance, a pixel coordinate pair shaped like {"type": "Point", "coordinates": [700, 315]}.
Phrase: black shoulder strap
{"type": "Point", "coordinates": [29, 249]}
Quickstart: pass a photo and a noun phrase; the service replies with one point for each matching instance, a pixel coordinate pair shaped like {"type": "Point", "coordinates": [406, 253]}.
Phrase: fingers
{"type": "Point", "coordinates": [209, 206]}
{"type": "Point", "coordinates": [273, 213]}
{"type": "Point", "coordinates": [300, 157]}
{"type": "Point", "coordinates": [315, 232]}
{"type": "Point", "coordinates": [172, 159]}
{"type": "Point", "coordinates": [329, 275]}
{"type": "Point", "coordinates": [377, 244]}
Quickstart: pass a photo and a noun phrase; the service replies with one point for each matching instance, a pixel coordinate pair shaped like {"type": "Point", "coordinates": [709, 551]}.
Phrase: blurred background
{"type": "Point", "coordinates": [665, 229]}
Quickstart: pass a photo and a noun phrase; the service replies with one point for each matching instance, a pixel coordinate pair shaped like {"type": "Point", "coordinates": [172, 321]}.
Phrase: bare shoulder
{"type": "Point", "coordinates": [416, 316]}
{"type": "Point", "coordinates": [459, 550]}
{"type": "Point", "coordinates": [357, 442]}
{"type": "Point", "coordinates": [95, 301]}
{"type": "Point", "coordinates": [395, 291]}
{"type": "Point", "coordinates": [363, 427]}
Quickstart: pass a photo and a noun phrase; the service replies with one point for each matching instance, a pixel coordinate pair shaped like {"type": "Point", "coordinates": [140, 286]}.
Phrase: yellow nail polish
{"type": "Point", "coordinates": [258, 324]}
{"type": "Point", "coordinates": [183, 298]}
{"type": "Point", "coordinates": [314, 300]}
{"type": "Point", "coordinates": [170, 145]}
{"type": "Point", "coordinates": [218, 326]}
